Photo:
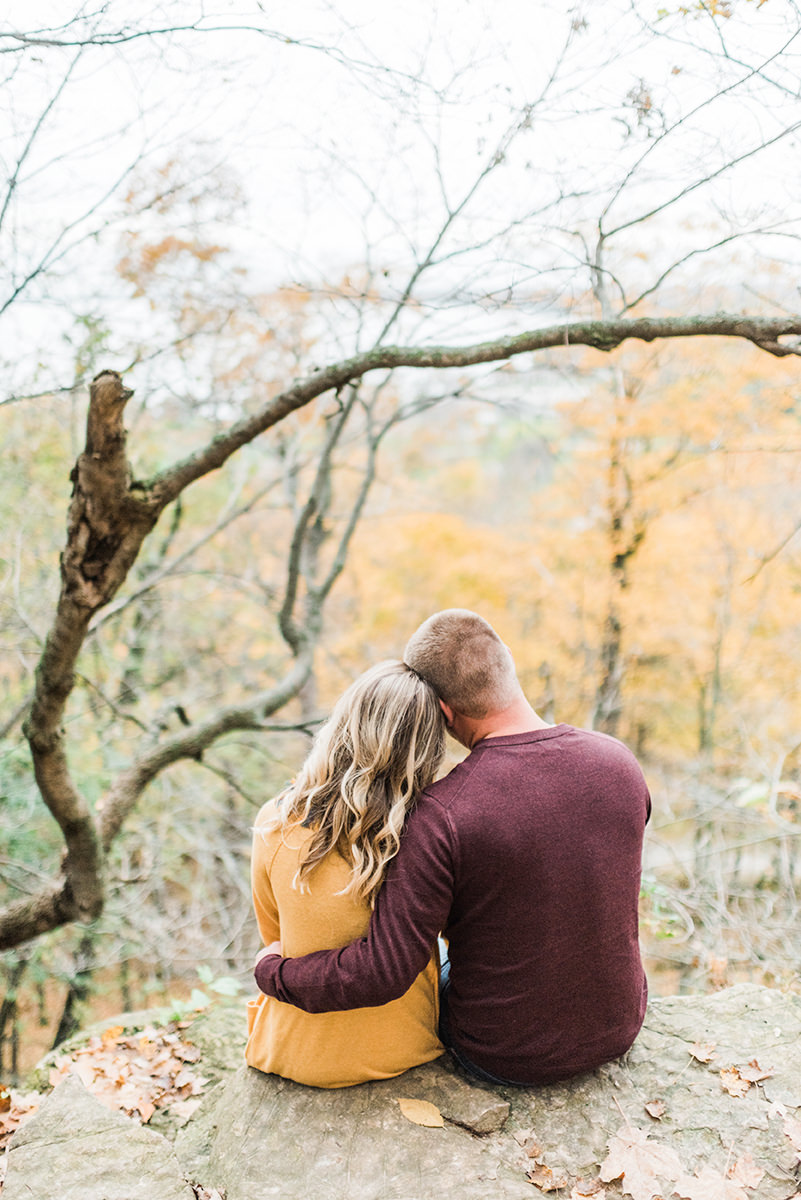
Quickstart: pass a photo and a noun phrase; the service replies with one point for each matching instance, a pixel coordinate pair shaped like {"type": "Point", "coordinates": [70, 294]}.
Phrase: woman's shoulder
{"type": "Point", "coordinates": [272, 829]}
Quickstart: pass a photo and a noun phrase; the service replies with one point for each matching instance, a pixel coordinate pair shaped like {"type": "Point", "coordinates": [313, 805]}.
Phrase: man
{"type": "Point", "coordinates": [527, 857]}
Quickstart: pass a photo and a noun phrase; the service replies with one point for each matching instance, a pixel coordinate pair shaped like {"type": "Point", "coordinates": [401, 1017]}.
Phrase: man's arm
{"type": "Point", "coordinates": [412, 907]}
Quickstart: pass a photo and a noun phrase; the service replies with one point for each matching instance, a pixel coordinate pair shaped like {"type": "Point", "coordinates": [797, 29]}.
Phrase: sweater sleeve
{"type": "Point", "coordinates": [264, 904]}
{"type": "Point", "coordinates": [412, 908]}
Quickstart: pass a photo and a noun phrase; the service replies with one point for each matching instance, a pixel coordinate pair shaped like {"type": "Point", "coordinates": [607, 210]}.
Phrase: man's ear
{"type": "Point", "coordinates": [448, 711]}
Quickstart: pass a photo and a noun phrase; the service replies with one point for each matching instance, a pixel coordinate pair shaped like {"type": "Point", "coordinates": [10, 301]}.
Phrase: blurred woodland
{"type": "Point", "coordinates": [563, 395]}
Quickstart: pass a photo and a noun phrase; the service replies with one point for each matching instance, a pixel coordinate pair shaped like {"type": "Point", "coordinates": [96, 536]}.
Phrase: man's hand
{"type": "Point", "coordinates": [273, 948]}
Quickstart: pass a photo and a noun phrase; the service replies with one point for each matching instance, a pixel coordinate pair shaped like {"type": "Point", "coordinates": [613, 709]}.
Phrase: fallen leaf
{"type": "Point", "coordinates": [421, 1112]}
{"type": "Point", "coordinates": [656, 1109]}
{"type": "Point", "coordinates": [792, 1128]}
{"type": "Point", "coordinates": [733, 1082]}
{"type": "Point", "coordinates": [703, 1051]}
{"type": "Point", "coordinates": [112, 1033]}
{"type": "Point", "coordinates": [5, 1099]}
{"type": "Point", "coordinates": [753, 1072]}
{"type": "Point", "coordinates": [640, 1163]}
{"type": "Point", "coordinates": [588, 1187]}
{"type": "Point", "coordinates": [746, 1172]}
{"type": "Point", "coordinates": [709, 1185]}
{"type": "Point", "coordinates": [21, 1106]}
{"type": "Point", "coordinates": [546, 1179]}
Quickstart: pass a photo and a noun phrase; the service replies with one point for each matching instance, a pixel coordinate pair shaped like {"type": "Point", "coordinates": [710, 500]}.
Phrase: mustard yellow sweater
{"type": "Point", "coordinates": [338, 1048]}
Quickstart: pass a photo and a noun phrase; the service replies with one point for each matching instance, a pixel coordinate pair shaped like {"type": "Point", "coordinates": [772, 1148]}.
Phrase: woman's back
{"type": "Point", "coordinates": [338, 1048]}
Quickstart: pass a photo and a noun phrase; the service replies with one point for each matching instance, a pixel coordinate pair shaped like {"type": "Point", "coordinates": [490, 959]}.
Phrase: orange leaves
{"type": "Point", "coordinates": [546, 1179]}
{"type": "Point", "coordinates": [15, 1107]}
{"type": "Point", "coordinates": [737, 1080]}
{"type": "Point", "coordinates": [733, 1083]}
{"type": "Point", "coordinates": [145, 258]}
{"type": "Point", "coordinates": [136, 1073]}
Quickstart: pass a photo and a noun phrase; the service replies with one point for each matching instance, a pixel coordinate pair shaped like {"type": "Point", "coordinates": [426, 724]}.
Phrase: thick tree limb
{"type": "Point", "coordinates": [105, 530]}
{"type": "Point", "coordinates": [604, 335]}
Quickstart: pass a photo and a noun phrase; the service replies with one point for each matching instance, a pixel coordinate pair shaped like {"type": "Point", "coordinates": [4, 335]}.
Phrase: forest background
{"type": "Point", "coordinates": [271, 220]}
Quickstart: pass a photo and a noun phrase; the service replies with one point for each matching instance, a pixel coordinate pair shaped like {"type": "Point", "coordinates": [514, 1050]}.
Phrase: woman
{"type": "Point", "coordinates": [320, 852]}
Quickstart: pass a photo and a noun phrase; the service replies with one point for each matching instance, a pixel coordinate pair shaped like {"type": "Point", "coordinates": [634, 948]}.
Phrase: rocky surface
{"type": "Point", "coordinates": [75, 1149]}
{"type": "Point", "coordinates": [706, 1104]}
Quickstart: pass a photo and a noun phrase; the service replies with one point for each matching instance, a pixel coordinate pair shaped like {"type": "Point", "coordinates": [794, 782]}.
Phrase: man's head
{"type": "Point", "coordinates": [466, 663]}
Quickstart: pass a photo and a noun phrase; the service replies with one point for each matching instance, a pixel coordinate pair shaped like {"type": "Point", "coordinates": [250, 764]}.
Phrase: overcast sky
{"type": "Point", "coordinates": [337, 137]}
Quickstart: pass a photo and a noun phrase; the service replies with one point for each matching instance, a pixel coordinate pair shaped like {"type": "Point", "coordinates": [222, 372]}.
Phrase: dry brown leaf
{"type": "Point", "coordinates": [421, 1112]}
{"type": "Point", "coordinates": [588, 1187]}
{"type": "Point", "coordinates": [546, 1179]}
{"type": "Point", "coordinates": [528, 1143]}
{"type": "Point", "coordinates": [733, 1082]}
{"type": "Point", "coordinates": [187, 1053]}
{"type": "Point", "coordinates": [703, 1052]}
{"type": "Point", "coordinates": [709, 1185]}
{"type": "Point", "coordinates": [754, 1073]}
{"type": "Point", "coordinates": [641, 1164]}
{"type": "Point", "coordinates": [746, 1172]}
{"type": "Point", "coordinates": [112, 1033]}
{"type": "Point", "coordinates": [656, 1109]}
{"type": "Point", "coordinates": [22, 1105]}
{"type": "Point", "coordinates": [5, 1099]}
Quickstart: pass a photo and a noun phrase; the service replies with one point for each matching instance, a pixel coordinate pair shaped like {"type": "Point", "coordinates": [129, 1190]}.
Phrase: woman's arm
{"type": "Point", "coordinates": [412, 908]}
{"type": "Point", "coordinates": [264, 904]}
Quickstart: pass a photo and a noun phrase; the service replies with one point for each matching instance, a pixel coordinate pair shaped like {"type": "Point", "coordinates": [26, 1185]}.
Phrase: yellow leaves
{"type": "Point", "coordinates": [421, 1112]}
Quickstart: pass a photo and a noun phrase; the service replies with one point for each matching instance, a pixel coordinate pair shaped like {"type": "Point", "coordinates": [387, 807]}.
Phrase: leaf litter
{"type": "Point", "coordinates": [135, 1073]}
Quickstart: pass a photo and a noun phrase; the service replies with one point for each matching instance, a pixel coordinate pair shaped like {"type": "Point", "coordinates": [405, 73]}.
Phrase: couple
{"type": "Point", "coordinates": [525, 857]}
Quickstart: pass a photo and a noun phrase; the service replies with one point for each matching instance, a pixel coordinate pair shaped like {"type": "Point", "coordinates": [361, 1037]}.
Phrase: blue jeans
{"type": "Point", "coordinates": [445, 1032]}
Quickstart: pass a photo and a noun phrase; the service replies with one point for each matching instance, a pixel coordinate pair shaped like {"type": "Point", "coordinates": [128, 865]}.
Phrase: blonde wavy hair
{"type": "Point", "coordinates": [369, 762]}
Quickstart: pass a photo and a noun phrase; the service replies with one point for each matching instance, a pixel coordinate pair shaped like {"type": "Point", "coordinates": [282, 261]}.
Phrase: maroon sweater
{"type": "Point", "coordinates": [527, 856]}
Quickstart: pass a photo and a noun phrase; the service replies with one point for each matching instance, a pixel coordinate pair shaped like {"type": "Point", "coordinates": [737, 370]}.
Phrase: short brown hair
{"type": "Point", "coordinates": [464, 660]}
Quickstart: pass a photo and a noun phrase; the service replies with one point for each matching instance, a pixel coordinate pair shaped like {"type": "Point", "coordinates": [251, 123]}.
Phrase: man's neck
{"type": "Point", "coordinates": [518, 718]}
